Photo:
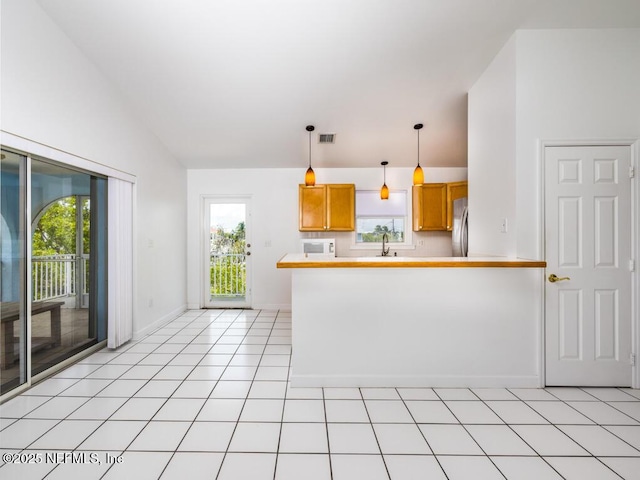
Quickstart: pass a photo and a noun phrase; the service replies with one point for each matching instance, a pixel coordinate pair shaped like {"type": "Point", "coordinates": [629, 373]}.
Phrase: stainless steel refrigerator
{"type": "Point", "coordinates": [459, 238]}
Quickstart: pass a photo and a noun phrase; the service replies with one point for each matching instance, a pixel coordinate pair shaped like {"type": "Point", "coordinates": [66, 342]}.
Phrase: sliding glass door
{"type": "Point", "coordinates": [54, 298]}
{"type": "Point", "coordinates": [13, 261]}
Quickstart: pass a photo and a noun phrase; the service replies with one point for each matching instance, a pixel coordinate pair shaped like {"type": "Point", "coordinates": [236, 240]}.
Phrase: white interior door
{"type": "Point", "coordinates": [227, 252]}
{"type": "Point", "coordinates": [588, 242]}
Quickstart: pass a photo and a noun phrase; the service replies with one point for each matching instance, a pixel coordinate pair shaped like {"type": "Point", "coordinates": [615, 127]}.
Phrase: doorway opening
{"type": "Point", "coordinates": [227, 253]}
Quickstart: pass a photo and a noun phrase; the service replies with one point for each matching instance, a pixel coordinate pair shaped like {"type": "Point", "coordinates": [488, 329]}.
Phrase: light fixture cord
{"type": "Point", "coordinates": [418, 147]}
{"type": "Point", "coordinates": [309, 149]}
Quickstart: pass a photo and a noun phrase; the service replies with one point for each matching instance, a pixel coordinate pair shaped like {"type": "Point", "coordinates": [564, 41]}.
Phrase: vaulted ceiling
{"type": "Point", "coordinates": [233, 83]}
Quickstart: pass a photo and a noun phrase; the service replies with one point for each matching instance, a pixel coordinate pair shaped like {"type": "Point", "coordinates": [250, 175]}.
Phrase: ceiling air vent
{"type": "Point", "coordinates": [326, 138]}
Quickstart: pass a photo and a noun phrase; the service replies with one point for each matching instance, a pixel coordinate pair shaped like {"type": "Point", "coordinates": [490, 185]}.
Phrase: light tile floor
{"type": "Point", "coordinates": [207, 396]}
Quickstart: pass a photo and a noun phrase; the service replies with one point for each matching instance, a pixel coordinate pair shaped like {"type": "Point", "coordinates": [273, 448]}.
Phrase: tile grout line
{"type": "Point", "coordinates": [58, 395]}
{"type": "Point", "coordinates": [150, 419]}
{"type": "Point", "coordinates": [246, 398]}
{"type": "Point", "coordinates": [181, 383]}
{"type": "Point", "coordinates": [469, 433]}
{"type": "Point", "coordinates": [374, 433]}
{"type": "Point", "coordinates": [326, 426]}
{"type": "Point", "coordinates": [596, 424]}
{"type": "Point", "coordinates": [402, 399]}
{"type": "Point", "coordinates": [518, 435]}
{"type": "Point", "coordinates": [167, 399]}
{"type": "Point", "coordinates": [603, 426]}
{"type": "Point", "coordinates": [560, 400]}
{"type": "Point", "coordinates": [284, 404]}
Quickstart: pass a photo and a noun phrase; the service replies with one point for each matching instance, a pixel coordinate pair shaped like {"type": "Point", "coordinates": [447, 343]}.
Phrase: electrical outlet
{"type": "Point", "coordinates": [150, 302]}
{"type": "Point", "coordinates": [421, 243]}
{"type": "Point", "coordinates": [504, 226]}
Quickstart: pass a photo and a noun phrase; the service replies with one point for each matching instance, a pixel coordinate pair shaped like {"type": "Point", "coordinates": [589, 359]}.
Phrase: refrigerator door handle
{"type": "Point", "coordinates": [463, 232]}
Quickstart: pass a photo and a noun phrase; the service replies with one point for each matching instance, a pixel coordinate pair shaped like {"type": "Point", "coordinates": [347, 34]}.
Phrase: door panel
{"type": "Point", "coordinates": [570, 228]}
{"type": "Point", "coordinates": [570, 318]}
{"type": "Point", "coordinates": [606, 245]}
{"type": "Point", "coordinates": [312, 208]}
{"type": "Point", "coordinates": [607, 320]}
{"type": "Point", "coordinates": [341, 207]}
{"type": "Point", "coordinates": [588, 245]}
{"type": "Point", "coordinates": [61, 223]}
{"type": "Point", "coordinates": [429, 206]}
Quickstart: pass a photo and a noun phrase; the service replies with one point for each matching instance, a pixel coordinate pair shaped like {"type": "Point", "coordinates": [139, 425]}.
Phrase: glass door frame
{"type": "Point", "coordinates": [26, 290]}
{"type": "Point", "coordinates": [207, 201]}
{"type": "Point", "coordinates": [24, 266]}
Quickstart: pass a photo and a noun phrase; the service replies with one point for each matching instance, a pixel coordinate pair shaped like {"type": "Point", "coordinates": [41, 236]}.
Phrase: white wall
{"type": "Point", "coordinates": [274, 194]}
{"type": "Point", "coordinates": [415, 331]}
{"type": "Point", "coordinates": [51, 94]}
{"type": "Point", "coordinates": [492, 148]}
{"type": "Point", "coordinates": [569, 85]}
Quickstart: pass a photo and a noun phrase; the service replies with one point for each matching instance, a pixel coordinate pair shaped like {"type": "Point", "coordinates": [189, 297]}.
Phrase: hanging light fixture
{"type": "Point", "coordinates": [418, 174]}
{"type": "Point", "coordinates": [310, 176]}
{"type": "Point", "coordinates": [384, 191]}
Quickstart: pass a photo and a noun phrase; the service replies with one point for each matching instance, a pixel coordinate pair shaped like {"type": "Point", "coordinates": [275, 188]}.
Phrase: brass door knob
{"type": "Point", "coordinates": [553, 278]}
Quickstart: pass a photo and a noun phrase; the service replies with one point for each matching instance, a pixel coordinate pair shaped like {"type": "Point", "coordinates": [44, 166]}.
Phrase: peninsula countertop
{"type": "Point", "coordinates": [300, 260]}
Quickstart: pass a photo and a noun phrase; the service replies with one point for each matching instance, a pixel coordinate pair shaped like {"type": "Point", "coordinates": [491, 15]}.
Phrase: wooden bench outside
{"type": "Point", "coordinates": [10, 313]}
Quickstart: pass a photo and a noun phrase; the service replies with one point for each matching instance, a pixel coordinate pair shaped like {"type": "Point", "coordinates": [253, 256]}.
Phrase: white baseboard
{"type": "Point", "coordinates": [428, 381]}
{"type": "Point", "coordinates": [160, 322]}
{"type": "Point", "coordinates": [285, 307]}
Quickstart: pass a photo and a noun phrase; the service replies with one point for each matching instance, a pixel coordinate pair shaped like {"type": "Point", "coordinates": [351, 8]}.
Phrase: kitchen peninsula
{"type": "Point", "coordinates": [415, 321]}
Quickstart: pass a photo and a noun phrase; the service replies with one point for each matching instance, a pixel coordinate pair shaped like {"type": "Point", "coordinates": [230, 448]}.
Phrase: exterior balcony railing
{"type": "Point", "coordinates": [55, 276]}
{"type": "Point", "coordinates": [228, 274]}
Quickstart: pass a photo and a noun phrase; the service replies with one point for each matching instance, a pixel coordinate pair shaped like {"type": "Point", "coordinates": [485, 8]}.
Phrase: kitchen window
{"type": "Point", "coordinates": [375, 217]}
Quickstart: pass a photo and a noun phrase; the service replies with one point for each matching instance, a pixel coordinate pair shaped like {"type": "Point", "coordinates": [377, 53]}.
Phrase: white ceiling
{"type": "Point", "coordinates": [233, 83]}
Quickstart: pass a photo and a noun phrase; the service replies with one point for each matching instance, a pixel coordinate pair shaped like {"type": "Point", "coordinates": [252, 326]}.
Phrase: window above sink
{"type": "Point", "coordinates": [375, 217]}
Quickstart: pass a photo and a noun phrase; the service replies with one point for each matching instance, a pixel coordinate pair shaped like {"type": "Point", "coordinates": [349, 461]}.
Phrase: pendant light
{"type": "Point", "coordinates": [310, 176]}
{"type": "Point", "coordinates": [418, 174]}
{"type": "Point", "coordinates": [384, 191]}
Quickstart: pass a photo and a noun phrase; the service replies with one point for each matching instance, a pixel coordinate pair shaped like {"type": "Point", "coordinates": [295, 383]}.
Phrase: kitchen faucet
{"type": "Point", "coordinates": [385, 239]}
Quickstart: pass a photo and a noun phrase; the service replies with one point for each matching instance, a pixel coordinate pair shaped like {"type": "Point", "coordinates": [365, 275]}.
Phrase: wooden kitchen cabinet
{"type": "Point", "coordinates": [429, 202]}
{"type": "Point", "coordinates": [327, 208]}
{"type": "Point", "coordinates": [433, 205]}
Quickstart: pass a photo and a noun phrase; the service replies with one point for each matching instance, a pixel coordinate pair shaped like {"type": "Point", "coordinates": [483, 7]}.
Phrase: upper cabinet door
{"type": "Point", "coordinates": [312, 208]}
{"type": "Point", "coordinates": [341, 211]}
{"type": "Point", "coordinates": [429, 207]}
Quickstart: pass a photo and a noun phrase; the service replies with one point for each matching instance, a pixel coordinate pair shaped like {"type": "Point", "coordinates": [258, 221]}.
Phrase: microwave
{"type": "Point", "coordinates": [318, 246]}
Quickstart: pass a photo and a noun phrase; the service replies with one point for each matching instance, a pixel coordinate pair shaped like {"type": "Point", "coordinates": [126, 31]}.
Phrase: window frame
{"type": "Point", "coordinates": [407, 244]}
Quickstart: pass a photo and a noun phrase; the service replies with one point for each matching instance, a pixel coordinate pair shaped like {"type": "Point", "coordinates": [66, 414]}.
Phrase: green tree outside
{"type": "Point", "coordinates": [55, 233]}
{"type": "Point", "coordinates": [379, 231]}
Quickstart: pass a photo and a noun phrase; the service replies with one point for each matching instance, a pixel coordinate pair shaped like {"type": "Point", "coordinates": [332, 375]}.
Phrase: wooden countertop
{"type": "Point", "coordinates": [298, 260]}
